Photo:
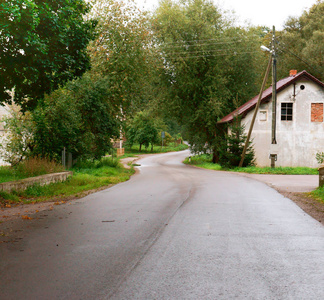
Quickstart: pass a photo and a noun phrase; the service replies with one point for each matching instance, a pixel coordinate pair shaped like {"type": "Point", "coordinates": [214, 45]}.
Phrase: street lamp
{"type": "Point", "coordinates": [273, 149]}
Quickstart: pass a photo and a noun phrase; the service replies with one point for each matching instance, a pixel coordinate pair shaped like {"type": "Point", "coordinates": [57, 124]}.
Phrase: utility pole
{"type": "Point", "coordinates": [255, 112]}
{"type": "Point", "coordinates": [273, 155]}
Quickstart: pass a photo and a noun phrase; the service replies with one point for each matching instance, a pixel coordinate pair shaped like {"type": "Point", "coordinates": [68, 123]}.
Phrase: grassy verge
{"type": "Point", "coordinates": [204, 161]}
{"type": "Point", "coordinates": [29, 168]}
{"type": "Point", "coordinates": [134, 150]}
{"type": "Point", "coordinates": [318, 194]}
{"type": "Point", "coordinates": [87, 176]}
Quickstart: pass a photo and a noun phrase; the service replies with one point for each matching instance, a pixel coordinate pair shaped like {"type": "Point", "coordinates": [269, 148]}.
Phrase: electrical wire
{"type": "Point", "coordinates": [220, 40]}
{"type": "Point", "coordinates": [197, 52]}
{"type": "Point", "coordinates": [284, 49]}
{"type": "Point", "coordinates": [214, 55]}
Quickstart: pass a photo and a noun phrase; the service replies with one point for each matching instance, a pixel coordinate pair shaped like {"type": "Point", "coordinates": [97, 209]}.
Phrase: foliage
{"type": "Point", "coordinates": [202, 72]}
{"type": "Point", "coordinates": [167, 140]}
{"type": "Point", "coordinates": [35, 166]}
{"type": "Point", "coordinates": [17, 143]}
{"type": "Point", "coordinates": [204, 161]}
{"type": "Point", "coordinates": [302, 42]}
{"type": "Point", "coordinates": [142, 130]}
{"type": "Point", "coordinates": [77, 117]}
{"type": "Point", "coordinates": [95, 164]}
{"type": "Point", "coordinates": [318, 194]}
{"type": "Point", "coordinates": [320, 157]}
{"type": "Point", "coordinates": [134, 150]}
{"type": "Point", "coordinates": [42, 45]}
{"type": "Point", "coordinates": [122, 55]}
{"type": "Point", "coordinates": [93, 175]}
{"type": "Point", "coordinates": [278, 170]}
{"type": "Point", "coordinates": [233, 145]}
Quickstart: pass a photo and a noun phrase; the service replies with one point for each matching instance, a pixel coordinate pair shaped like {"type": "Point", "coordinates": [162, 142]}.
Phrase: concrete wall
{"type": "Point", "coordinates": [42, 180]}
{"type": "Point", "coordinates": [298, 140]}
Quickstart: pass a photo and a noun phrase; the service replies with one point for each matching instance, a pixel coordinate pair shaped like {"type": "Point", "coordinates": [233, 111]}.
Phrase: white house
{"type": "Point", "coordinates": [299, 121]}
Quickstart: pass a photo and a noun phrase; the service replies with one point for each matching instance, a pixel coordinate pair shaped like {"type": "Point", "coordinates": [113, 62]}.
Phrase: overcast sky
{"type": "Point", "coordinates": [258, 12]}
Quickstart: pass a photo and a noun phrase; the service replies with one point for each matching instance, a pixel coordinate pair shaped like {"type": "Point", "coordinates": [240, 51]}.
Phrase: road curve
{"type": "Point", "coordinates": [171, 232]}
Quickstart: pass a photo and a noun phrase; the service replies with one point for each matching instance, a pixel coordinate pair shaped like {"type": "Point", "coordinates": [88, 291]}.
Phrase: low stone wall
{"type": "Point", "coordinates": [42, 180]}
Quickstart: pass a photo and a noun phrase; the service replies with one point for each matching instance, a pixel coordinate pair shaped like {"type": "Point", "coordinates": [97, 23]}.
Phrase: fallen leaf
{"type": "Point", "coordinates": [26, 218]}
{"type": "Point", "coordinates": [8, 205]}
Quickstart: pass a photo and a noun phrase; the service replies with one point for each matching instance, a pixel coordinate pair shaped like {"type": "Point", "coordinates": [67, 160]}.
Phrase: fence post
{"type": "Point", "coordinates": [321, 175]}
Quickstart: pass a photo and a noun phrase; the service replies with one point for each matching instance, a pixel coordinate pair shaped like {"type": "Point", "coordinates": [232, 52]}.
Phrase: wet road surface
{"type": "Point", "coordinates": [171, 232]}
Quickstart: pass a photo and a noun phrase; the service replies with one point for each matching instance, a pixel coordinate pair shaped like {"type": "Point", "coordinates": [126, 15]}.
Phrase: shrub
{"type": "Point", "coordinates": [231, 148]}
{"type": "Point", "coordinates": [320, 157]}
{"type": "Point", "coordinates": [36, 166]}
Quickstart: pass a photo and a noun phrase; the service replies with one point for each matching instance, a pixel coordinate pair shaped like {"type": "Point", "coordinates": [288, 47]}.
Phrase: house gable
{"type": "Point", "coordinates": [267, 94]}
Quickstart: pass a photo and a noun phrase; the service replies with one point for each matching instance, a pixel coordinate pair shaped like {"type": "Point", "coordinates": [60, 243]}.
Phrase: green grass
{"type": "Point", "coordinates": [29, 168]}
{"type": "Point", "coordinates": [204, 161]}
{"type": "Point", "coordinates": [9, 174]}
{"type": "Point", "coordinates": [86, 176]}
{"type": "Point", "coordinates": [318, 194]}
{"type": "Point", "coordinates": [134, 150]}
{"type": "Point", "coordinates": [278, 170]}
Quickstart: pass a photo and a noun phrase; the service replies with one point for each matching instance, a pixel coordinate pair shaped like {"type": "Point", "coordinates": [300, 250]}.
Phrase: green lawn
{"type": "Point", "coordinates": [204, 161]}
{"type": "Point", "coordinates": [86, 177]}
{"type": "Point", "coordinates": [134, 150]}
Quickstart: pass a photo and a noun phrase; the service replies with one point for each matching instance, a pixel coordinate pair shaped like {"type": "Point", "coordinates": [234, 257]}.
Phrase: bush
{"type": "Point", "coordinates": [168, 139]}
{"type": "Point", "coordinates": [96, 164]}
{"type": "Point", "coordinates": [36, 166]}
{"type": "Point", "coordinates": [231, 148]}
{"type": "Point", "coordinates": [320, 157]}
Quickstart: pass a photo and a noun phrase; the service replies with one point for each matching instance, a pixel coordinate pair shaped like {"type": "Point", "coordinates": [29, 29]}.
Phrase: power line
{"type": "Point", "coordinates": [284, 49]}
{"type": "Point", "coordinates": [197, 52]}
{"type": "Point", "coordinates": [220, 40]}
{"type": "Point", "coordinates": [214, 55]}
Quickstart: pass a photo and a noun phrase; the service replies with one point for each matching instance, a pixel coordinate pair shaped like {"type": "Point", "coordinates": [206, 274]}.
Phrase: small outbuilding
{"type": "Point", "coordinates": [299, 121]}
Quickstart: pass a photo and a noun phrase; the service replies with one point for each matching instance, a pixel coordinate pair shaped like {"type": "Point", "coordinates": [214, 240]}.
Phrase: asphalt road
{"type": "Point", "coordinates": [171, 232]}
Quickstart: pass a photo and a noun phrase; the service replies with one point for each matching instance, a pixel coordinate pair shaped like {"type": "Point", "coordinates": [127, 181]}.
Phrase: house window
{"type": "Point", "coordinates": [263, 115]}
{"type": "Point", "coordinates": [286, 111]}
{"type": "Point", "coordinates": [317, 112]}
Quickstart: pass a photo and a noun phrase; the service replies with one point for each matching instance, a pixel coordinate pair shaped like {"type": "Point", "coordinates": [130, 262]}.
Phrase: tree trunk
{"type": "Point", "coordinates": [140, 148]}
{"type": "Point", "coordinates": [215, 156]}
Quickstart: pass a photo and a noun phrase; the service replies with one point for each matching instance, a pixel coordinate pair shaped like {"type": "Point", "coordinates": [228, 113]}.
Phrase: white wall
{"type": "Point", "coordinates": [299, 140]}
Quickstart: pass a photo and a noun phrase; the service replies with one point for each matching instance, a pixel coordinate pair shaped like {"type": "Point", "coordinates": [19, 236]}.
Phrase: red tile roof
{"type": "Point", "coordinates": [267, 94]}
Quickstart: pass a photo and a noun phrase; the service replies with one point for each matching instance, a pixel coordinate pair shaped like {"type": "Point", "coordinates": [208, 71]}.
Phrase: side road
{"type": "Point", "coordinates": [295, 187]}
{"type": "Point", "coordinates": [287, 183]}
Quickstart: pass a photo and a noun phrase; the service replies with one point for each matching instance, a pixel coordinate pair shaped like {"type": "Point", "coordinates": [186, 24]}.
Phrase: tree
{"type": "Point", "coordinates": [302, 43]}
{"type": "Point", "coordinates": [208, 64]}
{"type": "Point", "coordinates": [122, 53]}
{"type": "Point", "coordinates": [76, 117]}
{"type": "Point", "coordinates": [42, 45]}
{"type": "Point", "coordinates": [232, 147]}
{"type": "Point", "coordinates": [142, 130]}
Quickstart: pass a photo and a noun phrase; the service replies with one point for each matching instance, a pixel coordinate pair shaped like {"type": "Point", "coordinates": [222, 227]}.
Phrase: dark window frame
{"type": "Point", "coordinates": [287, 111]}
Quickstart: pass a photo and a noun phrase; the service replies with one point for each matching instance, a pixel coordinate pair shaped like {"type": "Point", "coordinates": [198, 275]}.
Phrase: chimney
{"type": "Point", "coordinates": [292, 73]}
